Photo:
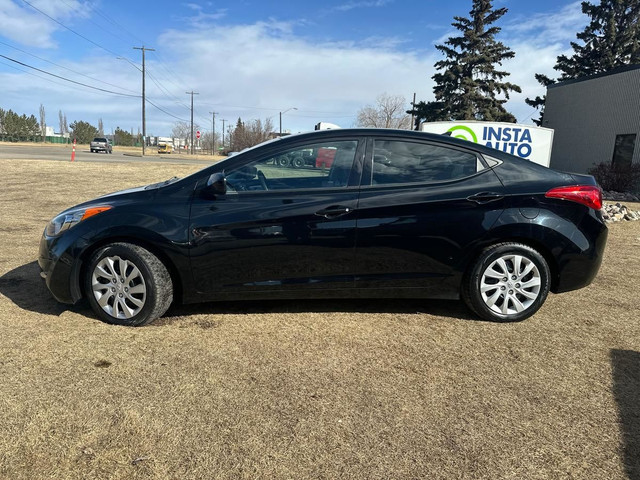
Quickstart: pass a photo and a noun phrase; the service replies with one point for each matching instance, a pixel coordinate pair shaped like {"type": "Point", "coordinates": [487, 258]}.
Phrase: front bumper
{"type": "Point", "coordinates": [59, 269]}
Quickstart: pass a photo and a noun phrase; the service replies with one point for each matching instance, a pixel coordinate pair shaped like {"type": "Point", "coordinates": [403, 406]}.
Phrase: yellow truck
{"type": "Point", "coordinates": [165, 148]}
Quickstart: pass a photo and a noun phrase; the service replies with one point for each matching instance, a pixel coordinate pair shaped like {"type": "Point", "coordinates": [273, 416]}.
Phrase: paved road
{"type": "Point", "coordinates": [46, 152]}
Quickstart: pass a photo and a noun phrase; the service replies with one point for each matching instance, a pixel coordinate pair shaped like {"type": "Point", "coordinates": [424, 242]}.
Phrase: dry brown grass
{"type": "Point", "coordinates": [344, 389]}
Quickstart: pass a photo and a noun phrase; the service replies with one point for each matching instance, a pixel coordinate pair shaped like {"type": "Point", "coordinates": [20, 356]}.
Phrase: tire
{"type": "Point", "coordinates": [509, 282]}
{"type": "Point", "coordinates": [127, 285]}
{"type": "Point", "coordinates": [297, 162]}
{"type": "Point", "coordinates": [282, 161]}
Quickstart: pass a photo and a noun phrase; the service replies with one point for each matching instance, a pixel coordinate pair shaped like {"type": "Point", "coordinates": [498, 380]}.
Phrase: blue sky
{"type": "Point", "coordinates": [251, 59]}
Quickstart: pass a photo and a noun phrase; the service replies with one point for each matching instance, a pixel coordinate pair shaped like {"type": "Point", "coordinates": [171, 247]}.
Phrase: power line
{"type": "Point", "coordinates": [165, 91]}
{"type": "Point", "coordinates": [100, 14]}
{"type": "Point", "coordinates": [67, 79]}
{"type": "Point", "coordinates": [65, 68]}
{"type": "Point", "coordinates": [164, 111]}
{"type": "Point", "coordinates": [32, 74]}
{"type": "Point", "coordinates": [91, 41]}
{"type": "Point", "coordinates": [71, 30]}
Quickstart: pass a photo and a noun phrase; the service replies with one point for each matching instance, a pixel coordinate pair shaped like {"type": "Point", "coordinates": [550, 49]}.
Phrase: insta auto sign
{"type": "Point", "coordinates": [525, 141]}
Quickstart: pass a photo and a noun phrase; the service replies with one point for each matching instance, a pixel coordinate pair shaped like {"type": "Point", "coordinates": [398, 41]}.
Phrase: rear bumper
{"type": "Point", "coordinates": [580, 262]}
{"type": "Point", "coordinates": [99, 148]}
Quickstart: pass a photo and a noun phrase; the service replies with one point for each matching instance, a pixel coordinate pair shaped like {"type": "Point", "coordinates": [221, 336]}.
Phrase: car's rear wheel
{"type": "Point", "coordinates": [509, 282]}
{"type": "Point", "coordinates": [127, 285]}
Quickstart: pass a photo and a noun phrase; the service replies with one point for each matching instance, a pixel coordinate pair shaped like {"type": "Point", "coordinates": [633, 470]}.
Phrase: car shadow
{"type": "Point", "coordinates": [24, 287]}
{"type": "Point", "coordinates": [445, 308]}
{"type": "Point", "coordinates": [626, 388]}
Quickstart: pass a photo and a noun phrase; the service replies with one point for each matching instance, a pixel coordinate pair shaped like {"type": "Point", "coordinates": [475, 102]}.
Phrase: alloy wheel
{"type": "Point", "coordinates": [119, 287]}
{"type": "Point", "coordinates": [510, 284]}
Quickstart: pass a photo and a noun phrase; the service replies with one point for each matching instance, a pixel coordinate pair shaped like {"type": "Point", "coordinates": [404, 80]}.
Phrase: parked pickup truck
{"type": "Point", "coordinates": [101, 144]}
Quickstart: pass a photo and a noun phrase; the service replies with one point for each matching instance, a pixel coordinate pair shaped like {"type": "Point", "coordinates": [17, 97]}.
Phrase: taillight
{"type": "Point", "coordinates": [588, 195]}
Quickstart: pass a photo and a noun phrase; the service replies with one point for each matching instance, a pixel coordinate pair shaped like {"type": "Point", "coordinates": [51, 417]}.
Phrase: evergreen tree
{"type": "Point", "coordinates": [468, 84]}
{"type": "Point", "coordinates": [611, 40]}
{"type": "Point", "coordinates": [83, 132]}
{"type": "Point", "coordinates": [122, 137]}
{"type": "Point", "coordinates": [18, 126]}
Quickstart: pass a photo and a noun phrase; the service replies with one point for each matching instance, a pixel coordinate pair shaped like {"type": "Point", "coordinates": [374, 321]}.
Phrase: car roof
{"type": "Point", "coordinates": [377, 132]}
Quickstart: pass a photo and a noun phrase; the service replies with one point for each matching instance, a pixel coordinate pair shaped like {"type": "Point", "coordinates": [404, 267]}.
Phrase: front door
{"type": "Point", "coordinates": [286, 222]}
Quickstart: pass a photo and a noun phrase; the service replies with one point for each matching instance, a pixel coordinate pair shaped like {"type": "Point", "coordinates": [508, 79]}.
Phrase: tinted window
{"type": "Point", "coordinates": [623, 151]}
{"type": "Point", "coordinates": [408, 162]}
{"type": "Point", "coordinates": [316, 165]}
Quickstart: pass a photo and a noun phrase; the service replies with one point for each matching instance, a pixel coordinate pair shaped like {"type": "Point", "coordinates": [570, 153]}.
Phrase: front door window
{"type": "Point", "coordinates": [316, 165]}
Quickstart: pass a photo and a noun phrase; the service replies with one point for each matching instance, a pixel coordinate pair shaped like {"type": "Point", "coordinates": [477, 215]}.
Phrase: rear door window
{"type": "Point", "coordinates": [402, 162]}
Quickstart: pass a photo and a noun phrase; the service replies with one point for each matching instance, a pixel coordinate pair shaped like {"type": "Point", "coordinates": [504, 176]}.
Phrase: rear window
{"type": "Point", "coordinates": [100, 140]}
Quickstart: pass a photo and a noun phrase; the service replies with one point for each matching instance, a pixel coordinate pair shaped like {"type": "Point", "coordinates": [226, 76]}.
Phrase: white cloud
{"type": "Point", "coordinates": [537, 41]}
{"type": "Point", "coordinates": [25, 25]}
{"type": "Point", "coordinates": [257, 70]}
{"type": "Point", "coordinates": [547, 28]}
{"type": "Point", "coordinates": [267, 67]}
{"type": "Point", "coordinates": [361, 4]}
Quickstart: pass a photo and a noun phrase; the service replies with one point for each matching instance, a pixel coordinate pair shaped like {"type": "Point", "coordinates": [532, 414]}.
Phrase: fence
{"type": "Point", "coordinates": [33, 139]}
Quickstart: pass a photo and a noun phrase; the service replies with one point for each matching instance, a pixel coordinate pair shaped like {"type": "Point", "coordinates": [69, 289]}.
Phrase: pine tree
{"type": "Point", "coordinates": [611, 40]}
{"type": "Point", "coordinates": [468, 84]}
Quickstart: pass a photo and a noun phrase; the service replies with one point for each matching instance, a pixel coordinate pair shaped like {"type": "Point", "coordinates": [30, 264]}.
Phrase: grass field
{"type": "Point", "coordinates": [307, 389]}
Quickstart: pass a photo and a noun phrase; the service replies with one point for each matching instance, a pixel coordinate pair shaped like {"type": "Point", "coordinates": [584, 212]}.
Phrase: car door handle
{"type": "Point", "coordinates": [333, 211]}
{"type": "Point", "coordinates": [485, 197]}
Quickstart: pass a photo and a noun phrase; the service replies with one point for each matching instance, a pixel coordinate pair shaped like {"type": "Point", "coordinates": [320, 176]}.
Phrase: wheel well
{"type": "Point", "coordinates": [541, 248]}
{"type": "Point", "coordinates": [171, 268]}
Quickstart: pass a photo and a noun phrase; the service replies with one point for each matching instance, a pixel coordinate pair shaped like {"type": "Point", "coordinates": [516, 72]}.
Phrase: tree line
{"type": "Point", "coordinates": [470, 85]}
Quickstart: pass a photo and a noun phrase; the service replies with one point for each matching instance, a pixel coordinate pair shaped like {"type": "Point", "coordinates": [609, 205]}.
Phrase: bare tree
{"type": "Point", "coordinates": [61, 121]}
{"type": "Point", "coordinates": [389, 112]}
{"type": "Point", "coordinates": [206, 142]}
{"type": "Point", "coordinates": [43, 124]}
{"type": "Point", "coordinates": [100, 128]}
{"type": "Point", "coordinates": [182, 130]}
{"type": "Point", "coordinates": [248, 134]}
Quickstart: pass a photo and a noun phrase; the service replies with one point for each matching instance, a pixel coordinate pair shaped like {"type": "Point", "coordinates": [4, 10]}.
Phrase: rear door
{"type": "Point", "coordinates": [422, 207]}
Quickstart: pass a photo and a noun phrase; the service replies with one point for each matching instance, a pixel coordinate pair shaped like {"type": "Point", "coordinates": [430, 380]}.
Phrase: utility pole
{"type": "Point", "coordinates": [292, 108]}
{"type": "Point", "coordinates": [192, 93]}
{"type": "Point", "coordinates": [144, 126]}
{"type": "Point", "coordinates": [223, 120]}
{"type": "Point", "coordinates": [213, 128]}
{"type": "Point", "coordinates": [413, 109]}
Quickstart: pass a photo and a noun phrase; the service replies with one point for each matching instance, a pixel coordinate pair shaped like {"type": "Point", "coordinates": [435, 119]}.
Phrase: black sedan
{"type": "Point", "coordinates": [371, 213]}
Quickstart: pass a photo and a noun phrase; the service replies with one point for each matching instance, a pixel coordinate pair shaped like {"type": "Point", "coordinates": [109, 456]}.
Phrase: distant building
{"type": "Point", "coordinates": [596, 119]}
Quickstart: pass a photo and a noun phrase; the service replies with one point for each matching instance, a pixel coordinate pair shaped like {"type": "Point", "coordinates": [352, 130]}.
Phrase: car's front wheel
{"type": "Point", "coordinates": [127, 285]}
{"type": "Point", "coordinates": [509, 282]}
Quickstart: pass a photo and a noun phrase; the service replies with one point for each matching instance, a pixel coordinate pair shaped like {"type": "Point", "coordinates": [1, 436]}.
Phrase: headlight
{"type": "Point", "coordinates": [66, 220]}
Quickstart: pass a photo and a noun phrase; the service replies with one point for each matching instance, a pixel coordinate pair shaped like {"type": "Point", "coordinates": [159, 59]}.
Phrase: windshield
{"type": "Point", "coordinates": [162, 184]}
{"type": "Point", "coordinates": [221, 162]}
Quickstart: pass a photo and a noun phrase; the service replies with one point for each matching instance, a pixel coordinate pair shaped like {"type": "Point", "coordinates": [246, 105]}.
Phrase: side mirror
{"type": "Point", "coordinates": [217, 183]}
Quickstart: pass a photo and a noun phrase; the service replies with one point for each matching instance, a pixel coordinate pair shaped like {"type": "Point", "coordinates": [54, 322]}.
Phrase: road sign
{"type": "Point", "coordinates": [198, 134]}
